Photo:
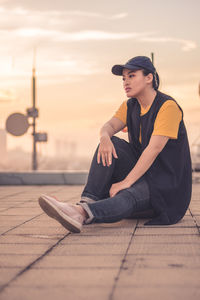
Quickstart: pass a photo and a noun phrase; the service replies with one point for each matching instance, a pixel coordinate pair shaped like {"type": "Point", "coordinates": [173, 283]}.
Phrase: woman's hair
{"type": "Point", "coordinates": [156, 79]}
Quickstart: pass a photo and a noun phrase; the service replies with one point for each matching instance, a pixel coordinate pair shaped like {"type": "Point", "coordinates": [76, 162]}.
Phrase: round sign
{"type": "Point", "coordinates": [17, 124]}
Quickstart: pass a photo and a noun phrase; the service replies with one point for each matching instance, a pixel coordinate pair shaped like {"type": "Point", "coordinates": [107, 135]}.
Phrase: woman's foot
{"type": "Point", "coordinates": [69, 215]}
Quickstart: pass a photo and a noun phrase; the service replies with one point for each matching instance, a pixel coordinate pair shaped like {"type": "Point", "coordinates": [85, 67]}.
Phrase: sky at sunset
{"type": "Point", "coordinates": [77, 43]}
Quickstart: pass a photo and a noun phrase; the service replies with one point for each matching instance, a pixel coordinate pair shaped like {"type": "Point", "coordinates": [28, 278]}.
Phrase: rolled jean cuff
{"type": "Point", "coordinates": [88, 195]}
{"type": "Point", "coordinates": [87, 200]}
{"type": "Point", "coordinates": [90, 214]}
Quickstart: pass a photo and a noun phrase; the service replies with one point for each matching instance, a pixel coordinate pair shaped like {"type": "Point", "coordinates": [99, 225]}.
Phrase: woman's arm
{"type": "Point", "coordinates": [106, 148]}
{"type": "Point", "coordinates": [111, 127]}
{"type": "Point", "coordinates": [155, 146]}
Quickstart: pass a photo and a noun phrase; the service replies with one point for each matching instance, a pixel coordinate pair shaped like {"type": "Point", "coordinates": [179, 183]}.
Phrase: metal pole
{"type": "Point", "coordinates": [152, 57]}
{"type": "Point", "coordinates": [34, 161]}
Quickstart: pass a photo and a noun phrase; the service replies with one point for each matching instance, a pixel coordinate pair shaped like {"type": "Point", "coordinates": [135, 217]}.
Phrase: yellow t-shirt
{"type": "Point", "coordinates": [167, 120]}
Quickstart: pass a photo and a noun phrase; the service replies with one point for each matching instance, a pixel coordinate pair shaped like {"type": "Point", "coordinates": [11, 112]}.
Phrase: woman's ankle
{"type": "Point", "coordinates": [82, 211]}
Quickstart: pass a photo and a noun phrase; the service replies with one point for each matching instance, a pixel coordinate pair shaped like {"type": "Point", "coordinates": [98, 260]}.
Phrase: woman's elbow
{"type": "Point", "coordinates": [157, 143]}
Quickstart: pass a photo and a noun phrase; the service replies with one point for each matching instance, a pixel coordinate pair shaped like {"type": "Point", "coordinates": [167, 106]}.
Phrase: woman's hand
{"type": "Point", "coordinates": [116, 187]}
{"type": "Point", "coordinates": [105, 151]}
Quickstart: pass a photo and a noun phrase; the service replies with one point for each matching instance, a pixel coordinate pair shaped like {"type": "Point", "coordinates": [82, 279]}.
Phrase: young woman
{"type": "Point", "coordinates": [150, 173]}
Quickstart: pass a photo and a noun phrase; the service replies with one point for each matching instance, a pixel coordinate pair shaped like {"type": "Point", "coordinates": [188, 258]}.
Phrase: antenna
{"type": "Point", "coordinates": [17, 124]}
{"type": "Point", "coordinates": [33, 112]}
{"type": "Point", "coordinates": [34, 58]}
{"type": "Point", "coordinates": [152, 57]}
{"type": "Point", "coordinates": [34, 160]}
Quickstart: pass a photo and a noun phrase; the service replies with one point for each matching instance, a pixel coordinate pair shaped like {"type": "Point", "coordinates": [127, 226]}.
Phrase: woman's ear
{"type": "Point", "coordinates": [149, 78]}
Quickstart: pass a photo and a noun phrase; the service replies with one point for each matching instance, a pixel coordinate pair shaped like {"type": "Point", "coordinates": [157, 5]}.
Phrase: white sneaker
{"type": "Point", "coordinates": [66, 214]}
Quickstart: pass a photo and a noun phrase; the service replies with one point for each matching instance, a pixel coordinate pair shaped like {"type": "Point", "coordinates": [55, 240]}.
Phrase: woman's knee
{"type": "Point", "coordinates": [115, 139]}
{"type": "Point", "coordinates": [123, 149]}
{"type": "Point", "coordinates": [119, 143]}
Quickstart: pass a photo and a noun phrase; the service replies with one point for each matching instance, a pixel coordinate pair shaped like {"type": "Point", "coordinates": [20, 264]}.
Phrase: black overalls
{"type": "Point", "coordinates": [170, 175]}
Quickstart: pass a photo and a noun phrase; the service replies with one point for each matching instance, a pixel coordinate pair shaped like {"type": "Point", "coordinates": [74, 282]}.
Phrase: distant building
{"type": "Point", "coordinates": [3, 144]}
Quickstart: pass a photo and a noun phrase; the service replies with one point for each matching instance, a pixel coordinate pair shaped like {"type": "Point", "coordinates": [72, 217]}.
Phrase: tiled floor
{"type": "Point", "coordinates": [39, 259]}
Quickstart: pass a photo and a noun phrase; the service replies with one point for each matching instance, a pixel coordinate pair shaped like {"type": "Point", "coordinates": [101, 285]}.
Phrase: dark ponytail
{"type": "Point", "coordinates": [156, 79]}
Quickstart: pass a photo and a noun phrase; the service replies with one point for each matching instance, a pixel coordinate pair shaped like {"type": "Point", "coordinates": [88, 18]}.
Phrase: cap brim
{"type": "Point", "coordinates": [118, 69]}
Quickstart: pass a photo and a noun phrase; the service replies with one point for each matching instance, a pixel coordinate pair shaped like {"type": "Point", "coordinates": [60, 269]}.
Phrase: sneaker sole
{"type": "Point", "coordinates": [52, 211]}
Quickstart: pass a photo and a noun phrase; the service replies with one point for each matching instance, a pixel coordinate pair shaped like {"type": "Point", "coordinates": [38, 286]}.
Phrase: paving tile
{"type": "Point", "coordinates": [161, 261]}
{"type": "Point", "coordinates": [39, 230]}
{"type": "Point", "coordinates": [87, 249]}
{"type": "Point", "coordinates": [35, 223]}
{"type": "Point", "coordinates": [80, 261]}
{"type": "Point", "coordinates": [99, 239]}
{"type": "Point", "coordinates": [149, 277]}
{"type": "Point", "coordinates": [195, 211]}
{"type": "Point", "coordinates": [67, 278]}
{"type": "Point", "coordinates": [4, 229]}
{"type": "Point", "coordinates": [107, 229]}
{"type": "Point", "coordinates": [22, 249]}
{"type": "Point", "coordinates": [164, 249]}
{"type": "Point", "coordinates": [187, 221]}
{"type": "Point", "coordinates": [29, 239]}
{"type": "Point", "coordinates": [7, 274]}
{"type": "Point", "coordinates": [10, 223]}
{"type": "Point", "coordinates": [67, 293]}
{"type": "Point", "coordinates": [16, 260]}
{"type": "Point", "coordinates": [11, 218]}
{"type": "Point", "coordinates": [165, 230]}
{"type": "Point", "coordinates": [22, 211]}
{"type": "Point", "coordinates": [167, 239]}
{"type": "Point", "coordinates": [152, 293]}
{"type": "Point", "coordinates": [29, 205]}
{"type": "Point", "coordinates": [197, 218]}
{"type": "Point", "coordinates": [43, 222]}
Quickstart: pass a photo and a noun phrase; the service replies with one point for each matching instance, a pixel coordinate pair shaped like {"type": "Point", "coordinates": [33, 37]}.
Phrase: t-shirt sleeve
{"type": "Point", "coordinates": [168, 120]}
{"type": "Point", "coordinates": [121, 113]}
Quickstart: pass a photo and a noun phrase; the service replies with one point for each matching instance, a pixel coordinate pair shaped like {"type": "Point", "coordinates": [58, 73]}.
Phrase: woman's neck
{"type": "Point", "coordinates": [146, 98]}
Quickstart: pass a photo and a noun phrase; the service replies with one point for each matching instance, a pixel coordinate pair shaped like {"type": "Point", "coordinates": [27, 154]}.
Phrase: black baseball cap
{"type": "Point", "coordinates": [135, 63]}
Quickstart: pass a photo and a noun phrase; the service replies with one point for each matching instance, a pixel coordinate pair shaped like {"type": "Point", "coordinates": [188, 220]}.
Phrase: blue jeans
{"type": "Point", "coordinates": [128, 203]}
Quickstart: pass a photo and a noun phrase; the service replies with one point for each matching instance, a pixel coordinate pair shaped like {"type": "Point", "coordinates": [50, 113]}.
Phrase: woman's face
{"type": "Point", "coordinates": [134, 82]}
